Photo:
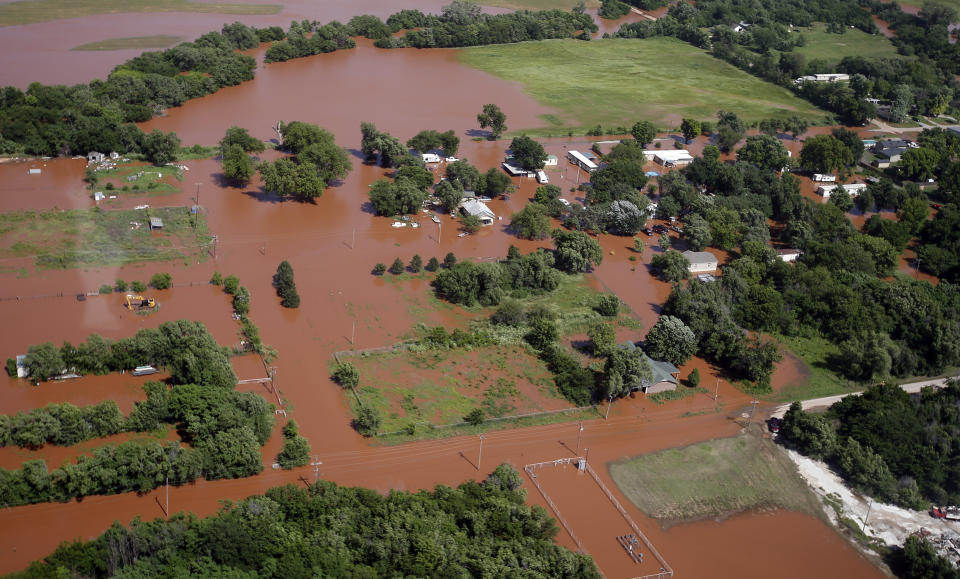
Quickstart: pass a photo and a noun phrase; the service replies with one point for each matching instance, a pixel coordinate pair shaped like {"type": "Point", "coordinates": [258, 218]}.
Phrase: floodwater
{"type": "Point", "coordinates": [332, 245]}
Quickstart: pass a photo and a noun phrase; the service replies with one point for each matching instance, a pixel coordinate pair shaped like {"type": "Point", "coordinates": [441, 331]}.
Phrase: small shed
{"type": "Point", "coordinates": [552, 161]}
{"type": "Point", "coordinates": [22, 370]}
{"type": "Point", "coordinates": [95, 157]}
{"type": "Point", "coordinates": [788, 255]}
{"type": "Point", "coordinates": [431, 158]}
{"type": "Point", "coordinates": [99, 196]}
{"type": "Point", "coordinates": [701, 261]}
{"type": "Point", "coordinates": [156, 223]}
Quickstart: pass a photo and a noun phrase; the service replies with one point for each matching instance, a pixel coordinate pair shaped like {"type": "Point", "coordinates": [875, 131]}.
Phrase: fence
{"type": "Point", "coordinates": [93, 293]}
{"type": "Point", "coordinates": [665, 569]}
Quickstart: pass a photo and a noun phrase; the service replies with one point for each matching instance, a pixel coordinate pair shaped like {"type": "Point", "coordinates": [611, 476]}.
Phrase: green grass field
{"type": "Point", "coordinates": [156, 41]}
{"type": "Point", "coordinates": [822, 380]}
{"type": "Point", "coordinates": [834, 47]}
{"type": "Point", "coordinates": [713, 478]}
{"type": "Point", "coordinates": [539, 4]}
{"type": "Point", "coordinates": [93, 237]}
{"type": "Point", "coordinates": [33, 11]}
{"type": "Point", "coordinates": [619, 81]}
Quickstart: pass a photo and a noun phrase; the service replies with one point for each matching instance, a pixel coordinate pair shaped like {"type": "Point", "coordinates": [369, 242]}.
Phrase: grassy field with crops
{"type": "Point", "coordinates": [142, 42]}
{"type": "Point", "coordinates": [94, 237]}
{"type": "Point", "coordinates": [615, 82]}
{"type": "Point", "coordinates": [33, 11]}
{"type": "Point", "coordinates": [713, 478]}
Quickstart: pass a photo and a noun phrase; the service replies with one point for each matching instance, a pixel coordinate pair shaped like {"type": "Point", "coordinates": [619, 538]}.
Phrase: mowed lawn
{"type": "Point", "coordinates": [615, 82]}
{"type": "Point", "coordinates": [712, 478]}
{"type": "Point", "coordinates": [32, 11]}
{"type": "Point", "coordinates": [834, 47]}
{"type": "Point", "coordinates": [155, 41]}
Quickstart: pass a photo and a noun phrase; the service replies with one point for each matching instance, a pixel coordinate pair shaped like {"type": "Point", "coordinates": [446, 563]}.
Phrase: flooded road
{"type": "Point", "coordinates": [332, 245]}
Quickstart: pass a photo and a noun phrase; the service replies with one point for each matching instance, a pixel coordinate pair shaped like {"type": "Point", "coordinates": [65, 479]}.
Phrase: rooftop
{"type": "Point", "coordinates": [699, 257]}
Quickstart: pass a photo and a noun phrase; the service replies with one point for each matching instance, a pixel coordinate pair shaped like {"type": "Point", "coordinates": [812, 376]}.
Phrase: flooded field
{"type": "Point", "coordinates": [332, 245]}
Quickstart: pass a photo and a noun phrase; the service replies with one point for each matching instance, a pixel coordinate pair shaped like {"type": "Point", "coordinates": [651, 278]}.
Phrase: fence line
{"type": "Point", "coordinates": [529, 470]}
{"type": "Point", "coordinates": [497, 419]}
{"type": "Point", "coordinates": [94, 293]}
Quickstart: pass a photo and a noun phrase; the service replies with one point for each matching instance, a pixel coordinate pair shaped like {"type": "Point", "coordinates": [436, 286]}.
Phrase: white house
{"type": "Point", "coordinates": [578, 158]}
{"type": "Point", "coordinates": [832, 77]}
{"type": "Point", "coordinates": [824, 178]}
{"type": "Point", "coordinates": [431, 158]}
{"type": "Point", "coordinates": [669, 157]}
{"type": "Point", "coordinates": [552, 161]}
{"type": "Point", "coordinates": [479, 210]}
{"type": "Point", "coordinates": [701, 261]}
{"type": "Point", "coordinates": [789, 255]}
{"type": "Point", "coordinates": [853, 189]}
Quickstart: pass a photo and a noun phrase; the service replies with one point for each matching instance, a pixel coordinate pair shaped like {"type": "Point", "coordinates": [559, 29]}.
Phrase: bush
{"type": "Point", "coordinates": [346, 375]}
{"type": "Point", "coordinates": [241, 301]}
{"type": "Point", "coordinates": [475, 417]}
{"type": "Point", "coordinates": [216, 279]}
{"type": "Point", "coordinates": [367, 421]}
{"type": "Point", "coordinates": [106, 289]}
{"type": "Point", "coordinates": [608, 305]}
{"type": "Point", "coordinates": [379, 269]}
{"type": "Point", "coordinates": [231, 284]}
{"type": "Point", "coordinates": [296, 449]}
{"type": "Point", "coordinates": [694, 377]}
{"type": "Point", "coordinates": [416, 263]}
{"type": "Point", "coordinates": [450, 260]}
{"type": "Point", "coordinates": [396, 268]}
{"type": "Point", "coordinates": [12, 367]}
{"type": "Point", "coordinates": [160, 281]}
{"type": "Point", "coordinates": [433, 264]}
{"type": "Point", "coordinates": [138, 286]}
{"type": "Point", "coordinates": [120, 285]}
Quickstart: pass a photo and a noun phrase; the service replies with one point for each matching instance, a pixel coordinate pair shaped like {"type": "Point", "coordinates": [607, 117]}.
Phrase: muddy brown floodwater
{"type": "Point", "coordinates": [333, 244]}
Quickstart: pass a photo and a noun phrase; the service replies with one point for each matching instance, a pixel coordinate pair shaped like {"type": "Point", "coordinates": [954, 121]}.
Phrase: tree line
{"type": "Point", "coordinates": [478, 528]}
{"type": "Point", "coordinates": [223, 428]}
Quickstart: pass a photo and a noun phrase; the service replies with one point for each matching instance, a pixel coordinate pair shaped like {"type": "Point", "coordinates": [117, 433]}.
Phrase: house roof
{"type": "Point", "coordinates": [695, 257]}
{"type": "Point", "coordinates": [477, 208]}
{"type": "Point", "coordinates": [156, 222]}
{"type": "Point", "coordinates": [663, 371]}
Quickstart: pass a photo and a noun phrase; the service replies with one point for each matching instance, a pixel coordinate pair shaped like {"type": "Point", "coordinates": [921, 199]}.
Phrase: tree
{"type": "Point", "coordinates": [471, 223]}
{"type": "Point", "coordinates": [765, 152]}
{"type": "Point", "coordinates": [44, 361]}
{"type": "Point", "coordinates": [624, 218]}
{"type": "Point", "coordinates": [626, 370]}
{"type": "Point", "coordinates": [475, 417]}
{"type": "Point", "coordinates": [465, 174]}
{"type": "Point", "coordinates": [664, 241]}
{"type": "Point", "coordinates": [697, 232]}
{"type": "Point", "coordinates": [379, 269]}
{"type": "Point", "coordinates": [730, 129]}
{"type": "Point", "coordinates": [671, 266]}
{"type": "Point", "coordinates": [842, 199]}
{"type": "Point", "coordinates": [608, 305]}
{"type": "Point", "coordinates": [603, 339]}
{"type": "Point", "coordinates": [286, 288]}
{"type": "Point", "coordinates": [576, 251]}
{"type": "Point", "coordinates": [330, 161]}
{"type": "Point", "coordinates": [543, 332]}
{"type": "Point", "coordinates": [528, 153]}
{"type": "Point", "coordinates": [367, 421]}
{"type": "Point", "coordinates": [644, 132]}
{"type": "Point", "coordinates": [236, 136]}
{"type": "Point", "coordinates": [396, 268]}
{"type": "Point", "coordinates": [638, 245]}
{"type": "Point", "coordinates": [449, 260]}
{"type": "Point", "coordinates": [396, 197]}
{"type": "Point", "coordinates": [851, 139]}
{"type": "Point", "coordinates": [346, 375]}
{"type": "Point", "coordinates": [496, 182]}
{"type": "Point", "coordinates": [493, 118]}
{"type": "Point", "coordinates": [416, 263]}
{"type": "Point", "coordinates": [231, 284]}
{"type": "Point", "coordinates": [425, 141]}
{"type": "Point", "coordinates": [530, 222]}
{"type": "Point", "coordinates": [161, 281]}
{"type": "Point", "coordinates": [160, 148]}
{"type": "Point", "coordinates": [237, 165]}
{"type": "Point", "coordinates": [671, 340]}
{"type": "Point", "coordinates": [433, 264]}
{"type": "Point", "coordinates": [690, 129]}
{"type": "Point", "coordinates": [284, 177]}
{"type": "Point", "coordinates": [694, 377]}
{"type": "Point", "coordinates": [296, 449]}
{"type": "Point", "coordinates": [450, 193]}
{"type": "Point", "coordinates": [450, 143]}
{"type": "Point", "coordinates": [919, 164]}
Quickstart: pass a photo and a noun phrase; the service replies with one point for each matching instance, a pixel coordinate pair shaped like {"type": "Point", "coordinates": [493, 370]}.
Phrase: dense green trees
{"type": "Point", "coordinates": [296, 449]}
{"type": "Point", "coordinates": [286, 287]}
{"type": "Point", "coordinates": [671, 340]}
{"type": "Point", "coordinates": [690, 128]}
{"type": "Point", "coordinates": [396, 197]}
{"type": "Point", "coordinates": [475, 529]}
{"type": "Point", "coordinates": [531, 222]}
{"type": "Point", "coordinates": [528, 153]}
{"type": "Point", "coordinates": [644, 132]}
{"type": "Point", "coordinates": [307, 38]}
{"type": "Point", "coordinates": [237, 164]}
{"type": "Point", "coordinates": [825, 153]}
{"type": "Point", "coordinates": [765, 152]}
{"type": "Point", "coordinates": [576, 251]}
{"type": "Point", "coordinates": [670, 265]}
{"type": "Point", "coordinates": [60, 424]}
{"type": "Point", "coordinates": [317, 162]}
{"type": "Point", "coordinates": [346, 375]}
{"type": "Point", "coordinates": [430, 140]}
{"type": "Point", "coordinates": [375, 144]}
{"type": "Point", "coordinates": [287, 178]}
{"type": "Point", "coordinates": [626, 370]}
{"type": "Point", "coordinates": [486, 283]}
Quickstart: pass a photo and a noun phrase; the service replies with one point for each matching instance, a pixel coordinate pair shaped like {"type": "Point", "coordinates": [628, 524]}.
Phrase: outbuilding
{"type": "Point", "coordinates": [789, 255]}
{"type": "Point", "coordinates": [431, 158]}
{"type": "Point", "coordinates": [701, 261]}
{"type": "Point", "coordinates": [478, 209]}
{"type": "Point", "coordinates": [853, 189]}
{"type": "Point", "coordinates": [669, 157]}
{"type": "Point", "coordinates": [156, 223]}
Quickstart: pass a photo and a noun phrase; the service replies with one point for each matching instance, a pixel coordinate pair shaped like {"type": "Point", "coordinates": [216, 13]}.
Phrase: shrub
{"type": "Point", "coordinates": [367, 421]}
{"type": "Point", "coordinates": [138, 286]}
{"type": "Point", "coordinates": [396, 268]}
{"type": "Point", "coordinates": [120, 285]}
{"type": "Point", "coordinates": [346, 375]}
{"type": "Point", "coordinates": [379, 269]}
{"type": "Point", "coordinates": [694, 377]}
{"type": "Point", "coordinates": [231, 284]}
{"type": "Point", "coordinates": [216, 278]}
{"type": "Point", "coordinates": [286, 288]}
{"type": "Point", "coordinates": [416, 263]}
{"type": "Point", "coordinates": [296, 449]}
{"type": "Point", "coordinates": [12, 367]}
{"type": "Point", "coordinates": [475, 417]}
{"type": "Point", "coordinates": [106, 289]}
{"type": "Point", "coordinates": [608, 305]}
{"type": "Point", "coordinates": [433, 264]}
{"type": "Point", "coordinates": [161, 281]}
{"type": "Point", "coordinates": [450, 260]}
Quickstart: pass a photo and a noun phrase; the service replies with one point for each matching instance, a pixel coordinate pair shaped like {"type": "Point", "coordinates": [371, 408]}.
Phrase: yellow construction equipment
{"type": "Point", "coordinates": [135, 302]}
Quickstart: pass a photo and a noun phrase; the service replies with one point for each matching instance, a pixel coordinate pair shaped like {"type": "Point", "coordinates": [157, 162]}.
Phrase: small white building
{"type": "Point", "coordinates": [95, 157]}
{"type": "Point", "coordinates": [431, 158]}
{"type": "Point", "coordinates": [669, 157]}
{"type": "Point", "coordinates": [515, 171]}
{"type": "Point", "coordinates": [824, 178]}
{"type": "Point", "coordinates": [853, 189]}
{"type": "Point", "coordinates": [789, 255]}
{"type": "Point", "coordinates": [832, 77]}
{"type": "Point", "coordinates": [701, 261]}
{"type": "Point", "coordinates": [552, 161]}
{"type": "Point", "coordinates": [578, 158]}
{"type": "Point", "coordinates": [479, 210]}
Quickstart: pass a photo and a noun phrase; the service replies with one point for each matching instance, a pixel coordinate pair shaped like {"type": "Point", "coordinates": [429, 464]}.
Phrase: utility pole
{"type": "Point", "coordinates": [587, 458]}
{"type": "Point", "coordinates": [579, 436]}
{"type": "Point", "coordinates": [916, 272]}
{"type": "Point", "coordinates": [753, 407]}
{"type": "Point", "coordinates": [353, 333]}
{"type": "Point", "coordinates": [440, 234]}
{"type": "Point", "coordinates": [870, 508]}
{"type": "Point", "coordinates": [197, 214]}
{"type": "Point", "coordinates": [609, 405]}
{"type": "Point", "coordinates": [167, 509]}
{"type": "Point", "coordinates": [316, 468]}
{"type": "Point", "coordinates": [353, 244]}
{"type": "Point", "coordinates": [480, 456]}
{"type": "Point", "coordinates": [716, 395]}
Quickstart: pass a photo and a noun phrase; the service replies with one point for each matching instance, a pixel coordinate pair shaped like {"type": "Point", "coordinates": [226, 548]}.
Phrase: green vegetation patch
{"type": "Point", "coordinates": [33, 11]}
{"type": "Point", "coordinates": [713, 478]}
{"type": "Point", "coordinates": [819, 356]}
{"type": "Point", "coordinates": [137, 179]}
{"type": "Point", "coordinates": [616, 81]}
{"type": "Point", "coordinates": [853, 42]}
{"type": "Point", "coordinates": [155, 41]}
{"type": "Point", "coordinates": [95, 237]}
{"type": "Point", "coordinates": [539, 4]}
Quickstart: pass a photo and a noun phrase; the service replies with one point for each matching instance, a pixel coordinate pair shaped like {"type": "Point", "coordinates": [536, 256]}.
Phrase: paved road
{"type": "Point", "coordinates": [912, 387]}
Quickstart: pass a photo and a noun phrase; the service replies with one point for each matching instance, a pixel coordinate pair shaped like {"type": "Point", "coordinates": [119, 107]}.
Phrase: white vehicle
{"type": "Point", "coordinates": [542, 177]}
{"type": "Point", "coordinates": [451, 159]}
{"type": "Point", "coordinates": [464, 234]}
{"type": "Point", "coordinates": [565, 202]}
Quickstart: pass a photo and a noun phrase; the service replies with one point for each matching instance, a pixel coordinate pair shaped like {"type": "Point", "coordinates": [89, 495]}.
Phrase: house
{"type": "Point", "coordinates": [701, 261]}
{"type": "Point", "coordinates": [581, 160]}
{"type": "Point", "coordinates": [666, 376]}
{"type": "Point", "coordinates": [832, 77]}
{"type": "Point", "coordinates": [825, 178]}
{"type": "Point", "coordinates": [431, 158]}
{"type": "Point", "coordinates": [853, 189]}
{"type": "Point", "coordinates": [156, 223]}
{"type": "Point", "coordinates": [99, 196]}
{"type": "Point", "coordinates": [478, 209]}
{"type": "Point", "coordinates": [740, 27]}
{"type": "Point", "coordinates": [552, 161]}
{"type": "Point", "coordinates": [95, 157]}
{"type": "Point", "coordinates": [515, 171]}
{"type": "Point", "coordinates": [672, 157]}
{"type": "Point", "coordinates": [22, 370]}
{"type": "Point", "coordinates": [892, 149]}
{"type": "Point", "coordinates": [789, 255]}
